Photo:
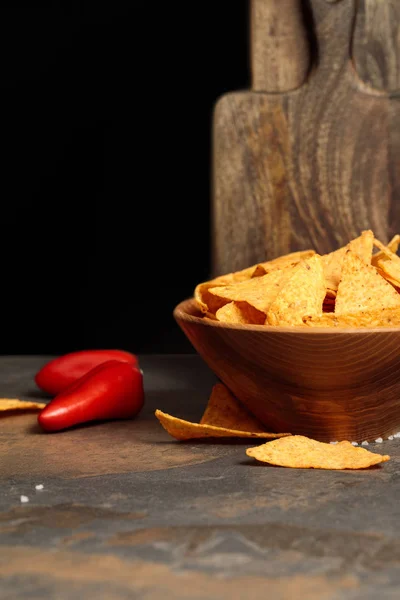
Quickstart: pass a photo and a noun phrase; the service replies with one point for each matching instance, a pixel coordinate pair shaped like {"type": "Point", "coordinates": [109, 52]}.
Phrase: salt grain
{"type": "Point", "coordinates": [364, 443]}
{"type": "Point", "coordinates": [397, 435]}
{"type": "Point", "coordinates": [379, 440]}
{"type": "Point", "coordinates": [24, 499]}
{"type": "Point", "coordinates": [354, 443]}
{"type": "Point", "coordinates": [333, 442]}
{"type": "Point", "coordinates": [390, 437]}
{"type": "Point", "coordinates": [39, 487]}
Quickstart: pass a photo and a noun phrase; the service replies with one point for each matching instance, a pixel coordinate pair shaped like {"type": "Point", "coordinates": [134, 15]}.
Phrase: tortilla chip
{"type": "Point", "coordinates": [384, 317]}
{"type": "Point", "coordinates": [362, 289]}
{"type": "Point", "coordinates": [258, 292]}
{"type": "Point", "coordinates": [287, 260]}
{"type": "Point", "coordinates": [393, 246]}
{"type": "Point", "coordinates": [301, 452]}
{"type": "Point", "coordinates": [241, 313]}
{"type": "Point", "coordinates": [394, 282]}
{"type": "Point", "coordinates": [185, 430]}
{"type": "Point", "coordinates": [303, 294]}
{"type": "Point", "coordinates": [12, 404]}
{"type": "Point", "coordinates": [390, 270]}
{"type": "Point", "coordinates": [224, 410]}
{"type": "Point", "coordinates": [332, 262]}
{"type": "Point", "coordinates": [201, 290]}
{"type": "Point", "coordinates": [363, 245]}
{"type": "Point", "coordinates": [212, 304]}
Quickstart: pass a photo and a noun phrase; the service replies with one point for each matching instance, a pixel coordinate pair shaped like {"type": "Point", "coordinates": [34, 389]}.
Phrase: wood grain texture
{"type": "Point", "coordinates": [376, 44]}
{"type": "Point", "coordinates": [280, 54]}
{"type": "Point", "coordinates": [308, 168]}
{"type": "Point", "coordinates": [327, 385]}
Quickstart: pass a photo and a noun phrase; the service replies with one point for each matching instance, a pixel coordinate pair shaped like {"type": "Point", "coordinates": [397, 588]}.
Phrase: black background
{"type": "Point", "coordinates": [105, 170]}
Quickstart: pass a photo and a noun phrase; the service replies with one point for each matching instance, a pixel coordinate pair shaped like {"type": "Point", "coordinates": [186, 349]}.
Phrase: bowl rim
{"type": "Point", "coordinates": [181, 313]}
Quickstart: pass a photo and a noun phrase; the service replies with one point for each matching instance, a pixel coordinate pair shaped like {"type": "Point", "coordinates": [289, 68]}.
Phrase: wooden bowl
{"type": "Point", "coordinates": [330, 385]}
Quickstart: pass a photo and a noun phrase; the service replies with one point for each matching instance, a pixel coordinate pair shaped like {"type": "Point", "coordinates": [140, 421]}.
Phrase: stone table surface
{"type": "Point", "coordinates": [128, 512]}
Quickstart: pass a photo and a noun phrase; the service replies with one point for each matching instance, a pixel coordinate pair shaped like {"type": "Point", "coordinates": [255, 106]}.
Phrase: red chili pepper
{"type": "Point", "coordinates": [112, 390]}
{"type": "Point", "coordinates": [58, 374]}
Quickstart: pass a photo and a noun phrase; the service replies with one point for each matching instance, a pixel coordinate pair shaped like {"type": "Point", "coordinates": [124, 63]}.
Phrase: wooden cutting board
{"type": "Point", "coordinates": [310, 156]}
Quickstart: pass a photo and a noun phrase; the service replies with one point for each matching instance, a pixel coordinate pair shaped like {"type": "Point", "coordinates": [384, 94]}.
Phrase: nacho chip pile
{"type": "Point", "coordinates": [350, 287]}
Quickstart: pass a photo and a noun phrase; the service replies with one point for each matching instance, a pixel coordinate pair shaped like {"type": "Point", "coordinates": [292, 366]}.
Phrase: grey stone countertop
{"type": "Point", "coordinates": [128, 512]}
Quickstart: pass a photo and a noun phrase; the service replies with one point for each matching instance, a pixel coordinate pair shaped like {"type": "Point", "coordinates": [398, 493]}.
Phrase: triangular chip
{"type": "Point", "coordinates": [281, 262]}
{"type": "Point", "coordinates": [384, 317]}
{"type": "Point", "coordinates": [13, 404]}
{"type": "Point", "coordinates": [363, 245]}
{"type": "Point", "coordinates": [332, 262]}
{"type": "Point", "coordinates": [392, 246]}
{"type": "Point", "coordinates": [241, 313]}
{"type": "Point", "coordinates": [224, 410]}
{"type": "Point", "coordinates": [390, 270]}
{"type": "Point", "coordinates": [201, 295]}
{"type": "Point", "coordinates": [185, 430]}
{"type": "Point", "coordinates": [362, 288]}
{"type": "Point", "coordinates": [300, 452]}
{"type": "Point", "coordinates": [395, 281]}
{"type": "Point", "coordinates": [258, 292]}
{"type": "Point", "coordinates": [303, 294]}
{"type": "Point", "coordinates": [388, 263]}
{"type": "Point", "coordinates": [212, 304]}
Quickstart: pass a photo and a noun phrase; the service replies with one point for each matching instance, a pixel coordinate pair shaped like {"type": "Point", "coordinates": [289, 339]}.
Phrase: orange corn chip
{"type": "Point", "coordinates": [224, 410]}
{"type": "Point", "coordinates": [387, 262]}
{"type": "Point", "coordinates": [240, 312]}
{"type": "Point", "coordinates": [362, 289]}
{"type": "Point", "coordinates": [332, 262]}
{"type": "Point", "coordinates": [185, 430]}
{"type": "Point", "coordinates": [301, 452]}
{"type": "Point", "coordinates": [390, 270]}
{"type": "Point", "coordinates": [224, 416]}
{"type": "Point", "coordinates": [395, 282]}
{"type": "Point", "coordinates": [393, 246]}
{"type": "Point", "coordinates": [384, 317]}
{"type": "Point", "coordinates": [303, 294]}
{"type": "Point", "coordinates": [11, 404]}
{"type": "Point", "coordinates": [287, 260]}
{"type": "Point", "coordinates": [201, 290]}
{"type": "Point", "coordinates": [259, 292]}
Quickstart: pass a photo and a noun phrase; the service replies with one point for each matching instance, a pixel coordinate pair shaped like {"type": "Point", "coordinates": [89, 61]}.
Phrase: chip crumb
{"type": "Point", "coordinates": [379, 440]}
{"type": "Point", "coordinates": [24, 499]}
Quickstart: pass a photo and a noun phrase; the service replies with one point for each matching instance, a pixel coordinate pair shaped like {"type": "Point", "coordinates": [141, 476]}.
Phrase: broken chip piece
{"type": "Point", "coordinates": [300, 452]}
